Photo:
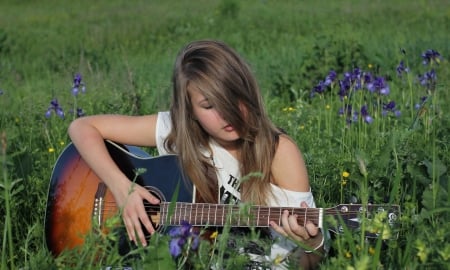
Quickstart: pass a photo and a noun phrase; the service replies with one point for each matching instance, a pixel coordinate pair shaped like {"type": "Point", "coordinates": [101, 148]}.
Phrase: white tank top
{"type": "Point", "coordinates": [228, 175]}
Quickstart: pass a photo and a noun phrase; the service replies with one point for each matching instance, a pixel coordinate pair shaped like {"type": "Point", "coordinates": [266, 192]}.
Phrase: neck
{"type": "Point", "coordinates": [218, 215]}
{"type": "Point", "coordinates": [232, 147]}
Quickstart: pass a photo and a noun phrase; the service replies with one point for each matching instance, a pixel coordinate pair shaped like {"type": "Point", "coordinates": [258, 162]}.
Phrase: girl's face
{"type": "Point", "coordinates": [211, 121]}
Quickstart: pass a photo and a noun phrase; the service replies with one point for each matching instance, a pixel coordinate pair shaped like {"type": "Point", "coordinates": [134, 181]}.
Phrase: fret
{"type": "Point", "coordinates": [182, 212]}
{"type": "Point", "coordinates": [201, 218]}
{"type": "Point", "coordinates": [190, 214]}
{"type": "Point", "coordinates": [185, 215]}
{"type": "Point", "coordinates": [239, 220]}
{"type": "Point", "coordinates": [162, 214]}
{"type": "Point", "coordinates": [178, 213]}
{"type": "Point", "coordinates": [304, 219]}
{"type": "Point", "coordinates": [230, 214]}
{"type": "Point", "coordinates": [223, 215]}
{"type": "Point", "coordinates": [215, 215]}
{"type": "Point", "coordinates": [192, 211]}
{"type": "Point", "coordinates": [171, 217]}
{"type": "Point", "coordinates": [320, 223]}
{"type": "Point", "coordinates": [279, 217]}
{"type": "Point", "coordinates": [257, 219]}
{"type": "Point", "coordinates": [209, 214]}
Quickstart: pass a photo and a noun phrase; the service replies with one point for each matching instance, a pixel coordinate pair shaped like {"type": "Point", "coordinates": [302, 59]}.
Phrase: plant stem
{"type": "Point", "coordinates": [7, 236]}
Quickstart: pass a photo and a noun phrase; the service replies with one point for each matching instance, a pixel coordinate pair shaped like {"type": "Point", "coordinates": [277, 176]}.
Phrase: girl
{"type": "Point", "coordinates": [218, 126]}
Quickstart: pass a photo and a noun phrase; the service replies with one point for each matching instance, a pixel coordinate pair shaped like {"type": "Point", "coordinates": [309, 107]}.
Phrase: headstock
{"type": "Point", "coordinates": [377, 220]}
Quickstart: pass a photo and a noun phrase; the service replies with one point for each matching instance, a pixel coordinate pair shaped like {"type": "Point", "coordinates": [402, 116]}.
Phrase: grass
{"type": "Point", "coordinates": [125, 51]}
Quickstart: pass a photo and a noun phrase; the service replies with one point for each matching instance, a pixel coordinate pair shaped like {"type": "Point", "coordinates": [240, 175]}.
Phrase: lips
{"type": "Point", "coordinates": [229, 128]}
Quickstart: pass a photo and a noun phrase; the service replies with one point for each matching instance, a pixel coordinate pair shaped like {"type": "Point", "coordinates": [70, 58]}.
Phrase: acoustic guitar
{"type": "Point", "coordinates": [79, 201]}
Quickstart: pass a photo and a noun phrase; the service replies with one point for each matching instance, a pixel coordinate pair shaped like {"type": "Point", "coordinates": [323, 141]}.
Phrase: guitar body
{"type": "Point", "coordinates": [78, 200]}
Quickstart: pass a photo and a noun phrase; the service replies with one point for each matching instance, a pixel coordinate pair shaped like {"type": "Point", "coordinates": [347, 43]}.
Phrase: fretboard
{"type": "Point", "coordinates": [204, 214]}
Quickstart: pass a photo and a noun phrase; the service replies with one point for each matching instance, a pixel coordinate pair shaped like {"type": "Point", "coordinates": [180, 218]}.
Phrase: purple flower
{"type": "Point", "coordinates": [79, 112]}
{"type": "Point", "coordinates": [54, 107]}
{"type": "Point", "coordinates": [401, 69]}
{"type": "Point", "coordinates": [367, 77]}
{"type": "Point", "coordinates": [174, 247]}
{"type": "Point", "coordinates": [350, 115]}
{"type": "Point", "coordinates": [428, 79]}
{"type": "Point", "coordinates": [77, 83]}
{"type": "Point", "coordinates": [331, 77]}
{"type": "Point", "coordinates": [430, 56]}
{"type": "Point", "coordinates": [365, 115]}
{"type": "Point", "coordinates": [180, 236]}
{"type": "Point", "coordinates": [390, 107]}
{"type": "Point", "coordinates": [344, 88]}
{"type": "Point", "coordinates": [378, 85]}
{"type": "Point", "coordinates": [422, 102]}
{"type": "Point", "coordinates": [346, 110]}
{"type": "Point", "coordinates": [319, 88]}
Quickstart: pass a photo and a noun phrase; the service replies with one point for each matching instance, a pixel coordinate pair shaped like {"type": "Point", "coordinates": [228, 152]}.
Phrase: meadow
{"type": "Point", "coordinates": [361, 86]}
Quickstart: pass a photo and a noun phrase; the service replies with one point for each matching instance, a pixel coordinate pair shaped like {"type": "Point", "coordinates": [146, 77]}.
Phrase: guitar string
{"type": "Point", "coordinates": [264, 213]}
{"type": "Point", "coordinates": [274, 210]}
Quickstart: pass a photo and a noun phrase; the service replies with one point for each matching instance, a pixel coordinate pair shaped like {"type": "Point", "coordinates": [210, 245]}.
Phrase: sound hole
{"type": "Point", "coordinates": [153, 211]}
{"type": "Point", "coordinates": [156, 192]}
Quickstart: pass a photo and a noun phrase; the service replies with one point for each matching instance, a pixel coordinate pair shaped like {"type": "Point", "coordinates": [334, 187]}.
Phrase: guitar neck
{"type": "Point", "coordinates": [218, 215]}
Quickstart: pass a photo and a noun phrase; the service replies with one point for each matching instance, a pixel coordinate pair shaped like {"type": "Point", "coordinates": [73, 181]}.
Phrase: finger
{"type": "Point", "coordinates": [132, 216]}
{"type": "Point", "coordinates": [146, 195]}
{"type": "Point", "coordinates": [298, 231]}
{"type": "Point", "coordinates": [140, 234]}
{"type": "Point", "coordinates": [278, 228]}
{"type": "Point", "coordinates": [281, 228]}
{"type": "Point", "coordinates": [143, 215]}
{"type": "Point", "coordinates": [130, 228]}
{"type": "Point", "coordinates": [134, 230]}
{"type": "Point", "coordinates": [304, 204]}
{"type": "Point", "coordinates": [311, 228]}
{"type": "Point", "coordinates": [285, 222]}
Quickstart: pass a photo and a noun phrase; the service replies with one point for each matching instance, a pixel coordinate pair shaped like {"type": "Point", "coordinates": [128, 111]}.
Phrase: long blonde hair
{"type": "Point", "coordinates": [226, 80]}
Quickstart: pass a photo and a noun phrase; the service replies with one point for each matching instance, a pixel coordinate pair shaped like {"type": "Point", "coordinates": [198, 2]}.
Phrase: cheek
{"type": "Point", "coordinates": [209, 120]}
{"type": "Point", "coordinates": [243, 110]}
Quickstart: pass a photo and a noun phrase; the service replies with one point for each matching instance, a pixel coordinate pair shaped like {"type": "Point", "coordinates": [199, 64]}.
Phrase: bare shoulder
{"type": "Point", "coordinates": [288, 166]}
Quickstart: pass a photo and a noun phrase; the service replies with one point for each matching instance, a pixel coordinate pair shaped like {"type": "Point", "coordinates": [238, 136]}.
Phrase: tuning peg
{"type": "Point", "coordinates": [353, 199]}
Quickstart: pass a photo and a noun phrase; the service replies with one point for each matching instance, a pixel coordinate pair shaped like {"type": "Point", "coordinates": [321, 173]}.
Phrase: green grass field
{"type": "Point", "coordinates": [125, 50]}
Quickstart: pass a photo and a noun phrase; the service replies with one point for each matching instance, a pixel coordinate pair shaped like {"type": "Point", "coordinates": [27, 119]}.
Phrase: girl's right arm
{"type": "Point", "coordinates": [88, 135]}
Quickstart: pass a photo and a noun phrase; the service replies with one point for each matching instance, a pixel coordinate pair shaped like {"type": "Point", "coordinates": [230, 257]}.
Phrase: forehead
{"type": "Point", "coordinates": [195, 93]}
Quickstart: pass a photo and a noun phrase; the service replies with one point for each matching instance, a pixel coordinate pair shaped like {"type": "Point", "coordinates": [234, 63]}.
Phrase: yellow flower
{"type": "Point", "coordinates": [214, 235]}
{"type": "Point", "coordinates": [345, 174]}
{"type": "Point", "coordinates": [371, 251]}
{"type": "Point", "coordinates": [370, 66]}
{"type": "Point", "coordinates": [62, 143]}
{"type": "Point", "coordinates": [344, 182]}
{"type": "Point", "coordinates": [51, 149]}
{"type": "Point", "coordinates": [302, 127]}
{"type": "Point", "coordinates": [327, 106]}
{"type": "Point", "coordinates": [347, 254]}
{"type": "Point", "coordinates": [278, 259]}
{"type": "Point", "coordinates": [288, 109]}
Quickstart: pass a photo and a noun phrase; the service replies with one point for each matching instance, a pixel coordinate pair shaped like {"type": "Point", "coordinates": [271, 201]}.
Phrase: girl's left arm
{"type": "Point", "coordinates": [289, 172]}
